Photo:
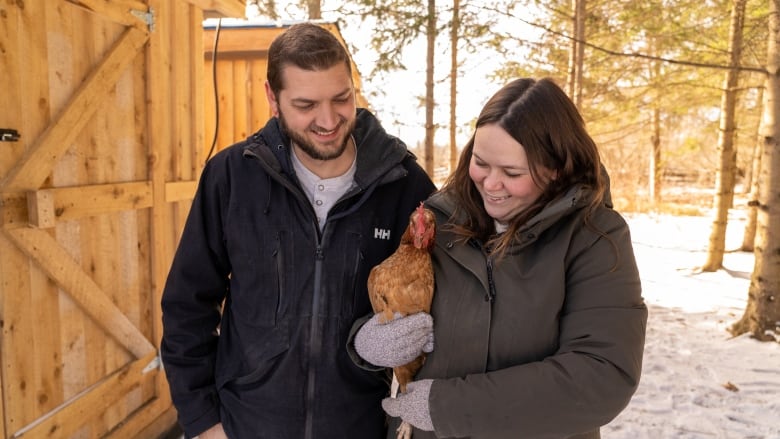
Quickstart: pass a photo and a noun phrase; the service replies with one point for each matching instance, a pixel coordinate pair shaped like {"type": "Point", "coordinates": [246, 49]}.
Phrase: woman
{"type": "Point", "coordinates": [538, 317]}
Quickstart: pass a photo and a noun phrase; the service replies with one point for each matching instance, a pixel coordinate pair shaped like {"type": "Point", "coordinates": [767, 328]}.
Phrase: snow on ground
{"type": "Point", "coordinates": [698, 381]}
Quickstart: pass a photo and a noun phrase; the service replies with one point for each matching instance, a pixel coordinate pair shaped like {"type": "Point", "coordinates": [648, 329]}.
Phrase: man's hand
{"type": "Point", "coordinates": [395, 342]}
{"type": "Point", "coordinates": [215, 432]}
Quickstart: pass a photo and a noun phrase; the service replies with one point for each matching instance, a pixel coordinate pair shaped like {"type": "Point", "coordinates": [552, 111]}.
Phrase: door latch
{"type": "Point", "coordinates": [8, 135]}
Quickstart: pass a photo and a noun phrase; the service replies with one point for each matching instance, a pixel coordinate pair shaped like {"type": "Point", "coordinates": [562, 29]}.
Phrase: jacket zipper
{"type": "Point", "coordinates": [314, 345]}
{"type": "Point", "coordinates": [491, 295]}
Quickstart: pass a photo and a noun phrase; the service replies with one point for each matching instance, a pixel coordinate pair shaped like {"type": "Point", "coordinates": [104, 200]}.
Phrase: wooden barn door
{"type": "Point", "coordinates": [101, 121]}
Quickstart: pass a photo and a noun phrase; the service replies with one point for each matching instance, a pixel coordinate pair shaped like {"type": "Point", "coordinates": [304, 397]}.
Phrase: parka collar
{"type": "Point", "coordinates": [378, 153]}
{"type": "Point", "coordinates": [576, 198]}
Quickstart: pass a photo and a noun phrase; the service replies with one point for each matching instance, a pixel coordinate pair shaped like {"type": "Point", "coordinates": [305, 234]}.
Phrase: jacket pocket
{"type": "Point", "coordinates": [262, 372]}
{"type": "Point", "coordinates": [259, 281]}
{"type": "Point", "coordinates": [251, 362]}
{"type": "Point", "coordinates": [357, 286]}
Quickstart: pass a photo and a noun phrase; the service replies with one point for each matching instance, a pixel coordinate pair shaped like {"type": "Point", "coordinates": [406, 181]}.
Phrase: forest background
{"type": "Point", "coordinates": [682, 97]}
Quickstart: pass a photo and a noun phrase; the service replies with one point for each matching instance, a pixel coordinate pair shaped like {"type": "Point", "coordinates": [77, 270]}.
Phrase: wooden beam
{"type": "Point", "coordinates": [153, 420]}
{"type": "Point", "coordinates": [68, 275]}
{"type": "Point", "coordinates": [70, 203]}
{"type": "Point", "coordinates": [13, 210]}
{"type": "Point", "coordinates": [180, 190]}
{"type": "Point", "coordinates": [68, 417]}
{"type": "Point", "coordinates": [37, 162]}
{"type": "Point", "coordinates": [76, 202]}
{"type": "Point", "coordinates": [120, 11]}
{"type": "Point", "coordinates": [40, 209]}
{"type": "Point", "coordinates": [252, 41]}
{"type": "Point", "coordinates": [226, 8]}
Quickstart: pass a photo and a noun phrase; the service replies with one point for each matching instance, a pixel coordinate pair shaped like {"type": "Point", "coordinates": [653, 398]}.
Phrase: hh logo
{"type": "Point", "coordinates": [381, 233]}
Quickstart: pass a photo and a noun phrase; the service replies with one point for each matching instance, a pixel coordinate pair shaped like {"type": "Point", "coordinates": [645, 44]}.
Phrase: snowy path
{"type": "Point", "coordinates": [698, 381]}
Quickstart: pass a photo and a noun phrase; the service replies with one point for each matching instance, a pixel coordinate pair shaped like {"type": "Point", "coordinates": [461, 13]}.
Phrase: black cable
{"type": "Point", "coordinates": [216, 94]}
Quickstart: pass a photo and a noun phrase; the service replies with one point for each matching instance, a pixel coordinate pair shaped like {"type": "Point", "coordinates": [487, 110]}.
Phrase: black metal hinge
{"type": "Point", "coordinates": [8, 135]}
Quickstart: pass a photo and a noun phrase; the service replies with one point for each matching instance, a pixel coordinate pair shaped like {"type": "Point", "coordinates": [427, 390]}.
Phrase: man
{"type": "Point", "coordinates": [271, 271]}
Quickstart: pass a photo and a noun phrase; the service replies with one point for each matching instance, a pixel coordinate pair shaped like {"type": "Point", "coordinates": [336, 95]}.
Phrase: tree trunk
{"type": "Point", "coordinates": [315, 9]}
{"type": "Point", "coordinates": [454, 84]}
{"type": "Point", "coordinates": [655, 171]}
{"type": "Point", "coordinates": [577, 51]}
{"type": "Point", "coordinates": [762, 313]}
{"type": "Point", "coordinates": [724, 180]}
{"type": "Point", "coordinates": [429, 102]}
{"type": "Point", "coordinates": [749, 236]}
{"type": "Point", "coordinates": [752, 172]}
{"type": "Point", "coordinates": [655, 159]}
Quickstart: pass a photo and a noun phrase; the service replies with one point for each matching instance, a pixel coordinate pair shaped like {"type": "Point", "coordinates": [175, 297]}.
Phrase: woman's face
{"type": "Point", "coordinates": [499, 169]}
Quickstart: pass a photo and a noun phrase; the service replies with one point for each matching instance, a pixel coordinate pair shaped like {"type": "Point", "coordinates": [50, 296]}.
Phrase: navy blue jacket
{"type": "Point", "coordinates": [259, 302]}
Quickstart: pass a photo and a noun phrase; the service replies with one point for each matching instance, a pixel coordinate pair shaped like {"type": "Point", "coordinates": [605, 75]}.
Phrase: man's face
{"type": "Point", "coordinates": [316, 110]}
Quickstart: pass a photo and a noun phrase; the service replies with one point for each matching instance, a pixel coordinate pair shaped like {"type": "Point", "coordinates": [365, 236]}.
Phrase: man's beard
{"type": "Point", "coordinates": [308, 147]}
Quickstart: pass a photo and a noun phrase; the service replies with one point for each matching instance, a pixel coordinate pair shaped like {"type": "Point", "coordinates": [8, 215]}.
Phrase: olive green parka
{"type": "Point", "coordinates": [545, 342]}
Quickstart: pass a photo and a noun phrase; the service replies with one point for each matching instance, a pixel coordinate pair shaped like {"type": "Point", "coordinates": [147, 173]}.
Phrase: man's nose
{"type": "Point", "coordinates": [327, 117]}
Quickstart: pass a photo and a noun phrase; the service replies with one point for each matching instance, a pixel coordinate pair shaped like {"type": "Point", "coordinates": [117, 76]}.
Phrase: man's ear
{"type": "Point", "coordinates": [272, 102]}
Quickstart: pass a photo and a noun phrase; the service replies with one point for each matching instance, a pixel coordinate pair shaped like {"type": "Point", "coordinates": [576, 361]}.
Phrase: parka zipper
{"type": "Point", "coordinates": [491, 295]}
{"type": "Point", "coordinates": [315, 342]}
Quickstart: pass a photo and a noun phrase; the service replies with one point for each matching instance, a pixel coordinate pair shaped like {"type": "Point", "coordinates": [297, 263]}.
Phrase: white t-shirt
{"type": "Point", "coordinates": [323, 193]}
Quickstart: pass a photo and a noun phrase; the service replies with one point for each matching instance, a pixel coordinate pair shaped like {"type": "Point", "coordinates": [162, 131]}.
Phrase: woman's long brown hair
{"type": "Point", "coordinates": [541, 118]}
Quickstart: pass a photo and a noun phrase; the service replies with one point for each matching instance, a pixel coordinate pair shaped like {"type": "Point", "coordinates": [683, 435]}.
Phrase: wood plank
{"type": "Point", "coordinates": [76, 202]}
{"type": "Point", "coordinates": [10, 82]}
{"type": "Point", "coordinates": [92, 200]}
{"type": "Point", "coordinates": [71, 415]}
{"type": "Point", "coordinates": [29, 378]}
{"type": "Point", "coordinates": [248, 41]}
{"type": "Point", "coordinates": [147, 422]}
{"type": "Point", "coordinates": [13, 210]}
{"type": "Point", "coordinates": [40, 208]}
{"type": "Point", "coordinates": [72, 57]}
{"type": "Point", "coordinates": [119, 11]}
{"type": "Point", "coordinates": [209, 112]}
{"type": "Point", "coordinates": [38, 161]}
{"type": "Point", "coordinates": [67, 273]}
{"type": "Point", "coordinates": [142, 244]}
{"type": "Point", "coordinates": [182, 93]}
{"type": "Point", "coordinates": [228, 8]}
{"type": "Point", "coordinates": [46, 348]}
{"type": "Point", "coordinates": [198, 93]}
{"type": "Point", "coordinates": [240, 83]}
{"type": "Point", "coordinates": [18, 359]}
{"type": "Point", "coordinates": [37, 83]}
{"type": "Point", "coordinates": [180, 190]}
{"type": "Point", "coordinates": [131, 292]}
{"type": "Point", "coordinates": [260, 110]}
{"type": "Point", "coordinates": [106, 146]}
{"type": "Point", "coordinates": [72, 333]}
{"type": "Point", "coordinates": [159, 121]}
{"type": "Point", "coordinates": [91, 167]}
{"type": "Point", "coordinates": [227, 101]}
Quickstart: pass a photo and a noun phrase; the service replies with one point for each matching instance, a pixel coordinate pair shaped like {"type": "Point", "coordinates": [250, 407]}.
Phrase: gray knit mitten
{"type": "Point", "coordinates": [412, 406]}
{"type": "Point", "coordinates": [395, 342]}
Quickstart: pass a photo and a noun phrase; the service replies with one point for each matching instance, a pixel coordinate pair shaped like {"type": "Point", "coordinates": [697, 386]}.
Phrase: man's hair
{"type": "Point", "coordinates": [306, 46]}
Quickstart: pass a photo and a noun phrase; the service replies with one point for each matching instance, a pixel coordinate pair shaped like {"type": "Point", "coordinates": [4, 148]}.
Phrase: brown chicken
{"type": "Point", "coordinates": [403, 283]}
